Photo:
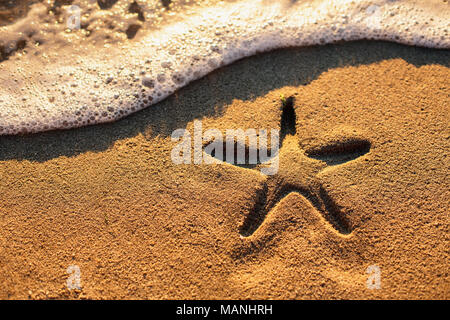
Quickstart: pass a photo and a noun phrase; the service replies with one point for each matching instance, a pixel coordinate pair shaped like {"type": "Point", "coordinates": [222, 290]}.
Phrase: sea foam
{"type": "Point", "coordinates": [110, 83]}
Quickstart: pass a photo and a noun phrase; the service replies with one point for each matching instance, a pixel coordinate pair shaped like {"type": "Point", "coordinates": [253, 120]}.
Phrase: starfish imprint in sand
{"type": "Point", "coordinates": [301, 175]}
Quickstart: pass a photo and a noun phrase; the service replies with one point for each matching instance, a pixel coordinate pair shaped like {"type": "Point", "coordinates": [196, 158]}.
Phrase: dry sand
{"type": "Point", "coordinates": [109, 199]}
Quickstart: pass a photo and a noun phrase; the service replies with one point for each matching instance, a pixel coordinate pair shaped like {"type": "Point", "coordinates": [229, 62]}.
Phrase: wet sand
{"type": "Point", "coordinates": [108, 198]}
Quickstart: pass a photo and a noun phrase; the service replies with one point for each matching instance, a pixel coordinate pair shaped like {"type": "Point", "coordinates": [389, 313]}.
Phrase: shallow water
{"type": "Point", "coordinates": [128, 55]}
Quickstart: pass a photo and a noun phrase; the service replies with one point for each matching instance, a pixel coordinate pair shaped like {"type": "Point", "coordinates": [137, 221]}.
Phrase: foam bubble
{"type": "Point", "coordinates": [106, 85]}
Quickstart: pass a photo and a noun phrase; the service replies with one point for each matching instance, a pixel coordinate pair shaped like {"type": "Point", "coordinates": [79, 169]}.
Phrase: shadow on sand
{"type": "Point", "coordinates": [244, 80]}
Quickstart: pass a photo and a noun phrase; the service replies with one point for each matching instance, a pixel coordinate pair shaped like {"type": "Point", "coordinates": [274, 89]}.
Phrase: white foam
{"type": "Point", "coordinates": [72, 91]}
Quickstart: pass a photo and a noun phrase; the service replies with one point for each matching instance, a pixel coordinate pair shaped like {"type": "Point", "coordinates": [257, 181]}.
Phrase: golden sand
{"type": "Point", "coordinates": [108, 198]}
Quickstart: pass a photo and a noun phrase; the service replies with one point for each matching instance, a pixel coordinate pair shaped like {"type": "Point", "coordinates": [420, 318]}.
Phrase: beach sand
{"type": "Point", "coordinates": [108, 198]}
